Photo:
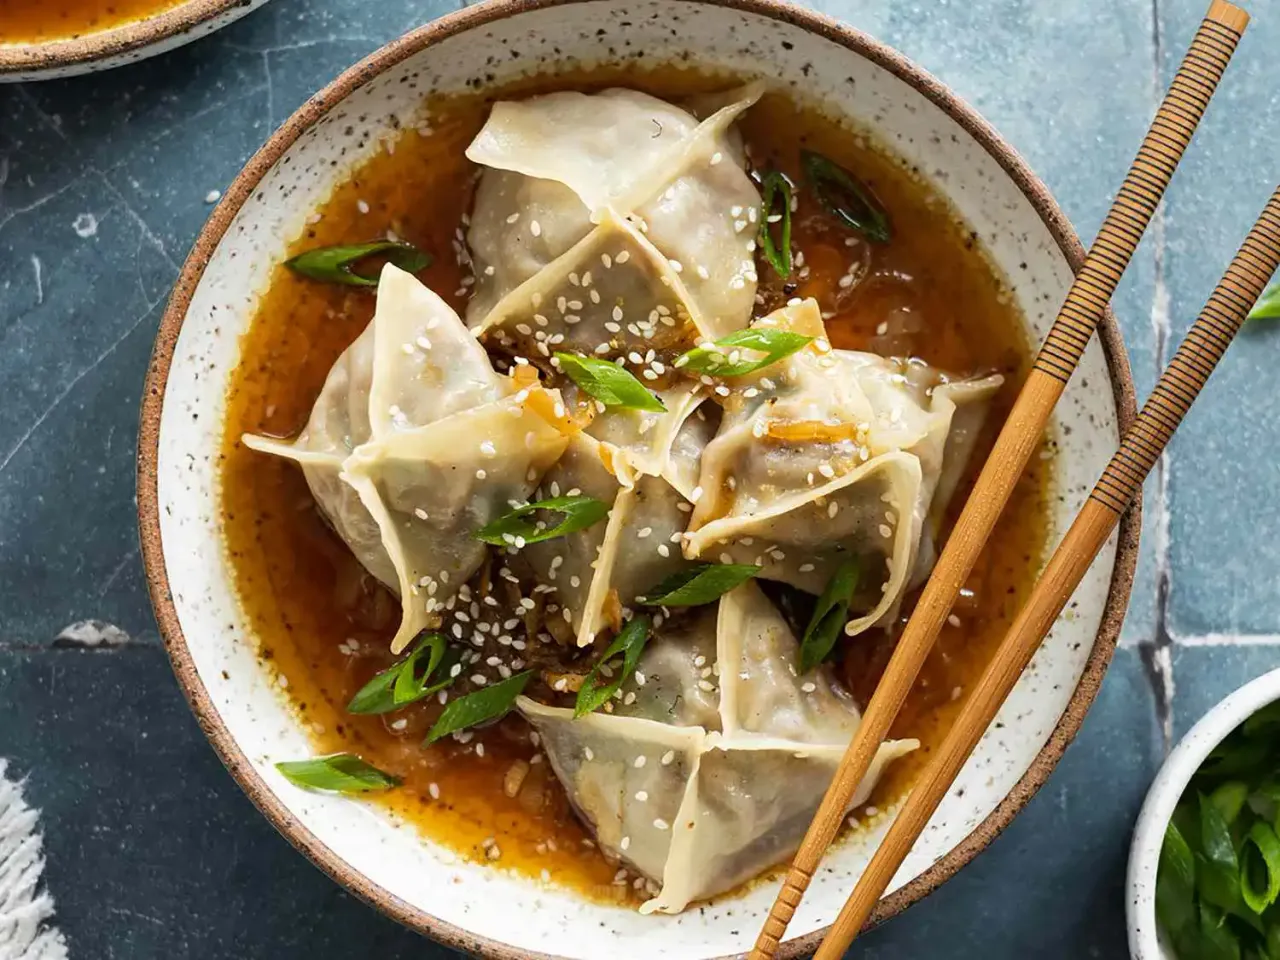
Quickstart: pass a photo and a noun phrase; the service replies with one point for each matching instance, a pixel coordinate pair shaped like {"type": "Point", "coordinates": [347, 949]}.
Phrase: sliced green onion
{"type": "Point", "coordinates": [519, 527]}
{"type": "Point", "coordinates": [410, 687]}
{"type": "Point", "coordinates": [1268, 305]}
{"type": "Point", "coordinates": [775, 186]}
{"type": "Point", "coordinates": [1217, 870]}
{"type": "Point", "coordinates": [718, 360]}
{"type": "Point", "coordinates": [479, 706]}
{"type": "Point", "coordinates": [1229, 798]}
{"type": "Point", "coordinates": [337, 264]}
{"type": "Point", "coordinates": [341, 773]}
{"type": "Point", "coordinates": [400, 684]}
{"type": "Point", "coordinates": [1175, 882]}
{"type": "Point", "coordinates": [846, 197]}
{"type": "Point", "coordinates": [629, 642]}
{"type": "Point", "coordinates": [700, 584]}
{"type": "Point", "coordinates": [607, 382]}
{"type": "Point", "coordinates": [1260, 867]}
{"type": "Point", "coordinates": [830, 615]}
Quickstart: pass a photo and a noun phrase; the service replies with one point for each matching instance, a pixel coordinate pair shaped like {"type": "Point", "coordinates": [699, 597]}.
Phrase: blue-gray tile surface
{"type": "Point", "coordinates": [154, 852]}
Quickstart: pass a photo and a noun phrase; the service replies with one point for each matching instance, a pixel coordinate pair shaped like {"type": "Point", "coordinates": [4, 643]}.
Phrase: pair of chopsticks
{"type": "Point", "coordinates": [1176, 390]}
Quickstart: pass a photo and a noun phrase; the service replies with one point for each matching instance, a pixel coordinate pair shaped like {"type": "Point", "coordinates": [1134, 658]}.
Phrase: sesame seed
{"type": "Point", "coordinates": [623, 257]}
{"type": "Point", "coordinates": [885, 530]}
{"type": "Point", "coordinates": [640, 761]}
{"type": "Point", "coordinates": [626, 842]}
{"type": "Point", "coordinates": [535, 228]}
{"type": "Point", "coordinates": [668, 757]}
{"type": "Point", "coordinates": [434, 790]}
{"type": "Point", "coordinates": [660, 824]}
{"type": "Point", "coordinates": [642, 795]}
{"type": "Point", "coordinates": [953, 620]}
{"type": "Point", "coordinates": [588, 753]}
{"type": "Point", "coordinates": [808, 687]}
{"type": "Point", "coordinates": [362, 206]}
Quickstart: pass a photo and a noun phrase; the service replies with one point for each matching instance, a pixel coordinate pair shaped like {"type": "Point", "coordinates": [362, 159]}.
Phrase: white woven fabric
{"type": "Point", "coordinates": [25, 910]}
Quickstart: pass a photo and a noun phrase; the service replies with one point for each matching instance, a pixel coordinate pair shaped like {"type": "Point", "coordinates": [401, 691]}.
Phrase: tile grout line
{"type": "Point", "coordinates": [1156, 652]}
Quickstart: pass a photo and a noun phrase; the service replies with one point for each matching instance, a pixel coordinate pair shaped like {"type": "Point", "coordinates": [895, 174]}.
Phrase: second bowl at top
{"type": "Point", "coordinates": [246, 347]}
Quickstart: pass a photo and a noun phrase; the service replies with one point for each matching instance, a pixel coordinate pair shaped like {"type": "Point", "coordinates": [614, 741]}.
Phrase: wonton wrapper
{"type": "Point", "coordinates": [640, 474]}
{"type": "Point", "coordinates": [743, 775]}
{"type": "Point", "coordinates": [610, 221]}
{"type": "Point", "coordinates": [831, 454]}
{"type": "Point", "coordinates": [415, 442]}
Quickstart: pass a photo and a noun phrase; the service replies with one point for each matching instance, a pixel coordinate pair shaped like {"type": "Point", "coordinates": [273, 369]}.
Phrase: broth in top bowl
{"type": "Point", "coordinates": [325, 623]}
{"type": "Point", "coordinates": [39, 21]}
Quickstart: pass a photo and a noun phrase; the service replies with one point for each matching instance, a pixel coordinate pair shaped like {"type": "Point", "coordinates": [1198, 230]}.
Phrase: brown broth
{"type": "Point", "coordinates": [38, 21]}
{"type": "Point", "coordinates": [304, 594]}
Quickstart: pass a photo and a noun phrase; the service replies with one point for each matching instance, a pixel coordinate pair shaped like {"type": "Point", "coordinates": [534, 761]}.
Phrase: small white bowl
{"type": "Point", "coordinates": [1145, 942]}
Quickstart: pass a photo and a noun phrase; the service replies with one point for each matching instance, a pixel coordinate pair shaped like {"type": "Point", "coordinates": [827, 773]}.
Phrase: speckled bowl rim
{"type": "Point", "coordinates": [114, 41]}
{"type": "Point", "coordinates": [240, 191]}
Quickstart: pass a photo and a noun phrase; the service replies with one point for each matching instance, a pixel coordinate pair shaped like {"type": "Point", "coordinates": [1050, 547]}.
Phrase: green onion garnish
{"type": "Point", "coordinates": [1268, 305]}
{"type": "Point", "coordinates": [479, 706]}
{"type": "Point", "coordinates": [341, 773]}
{"type": "Point", "coordinates": [701, 583]}
{"type": "Point", "coordinates": [337, 264]}
{"type": "Point", "coordinates": [1260, 867]}
{"type": "Point", "coordinates": [401, 683]}
{"type": "Point", "coordinates": [845, 197]}
{"type": "Point", "coordinates": [519, 527]}
{"type": "Point", "coordinates": [829, 616]}
{"type": "Point", "coordinates": [718, 359]}
{"type": "Point", "coordinates": [629, 642]}
{"type": "Point", "coordinates": [776, 187]}
{"type": "Point", "coordinates": [607, 382]}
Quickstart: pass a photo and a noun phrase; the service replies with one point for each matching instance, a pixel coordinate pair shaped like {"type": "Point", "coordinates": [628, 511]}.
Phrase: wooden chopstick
{"type": "Point", "coordinates": [1174, 393]}
{"type": "Point", "coordinates": [1135, 203]}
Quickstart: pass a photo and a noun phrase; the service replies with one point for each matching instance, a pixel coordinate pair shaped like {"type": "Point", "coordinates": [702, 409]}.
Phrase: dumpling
{"type": "Point", "coordinates": [610, 221]}
{"type": "Point", "coordinates": [715, 768]}
{"type": "Point", "coordinates": [415, 442]}
{"type": "Point", "coordinates": [432, 488]}
{"type": "Point", "coordinates": [831, 455]}
{"type": "Point", "coordinates": [598, 571]}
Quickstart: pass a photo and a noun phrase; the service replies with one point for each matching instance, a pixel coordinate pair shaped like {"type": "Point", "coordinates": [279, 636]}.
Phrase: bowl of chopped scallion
{"type": "Point", "coordinates": [1204, 867]}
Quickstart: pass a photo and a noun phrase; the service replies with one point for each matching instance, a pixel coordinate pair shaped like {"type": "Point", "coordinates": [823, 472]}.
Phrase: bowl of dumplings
{"type": "Point", "coordinates": [548, 437]}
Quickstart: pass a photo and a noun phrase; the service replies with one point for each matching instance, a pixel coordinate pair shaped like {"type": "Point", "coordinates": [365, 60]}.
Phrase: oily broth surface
{"type": "Point", "coordinates": [324, 626]}
{"type": "Point", "coordinates": [38, 21]}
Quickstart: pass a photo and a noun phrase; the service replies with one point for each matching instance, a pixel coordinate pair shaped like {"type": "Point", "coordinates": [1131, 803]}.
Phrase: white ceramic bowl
{"type": "Point", "coordinates": [116, 46]}
{"type": "Point", "coordinates": [212, 649]}
{"type": "Point", "coordinates": [1145, 940]}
